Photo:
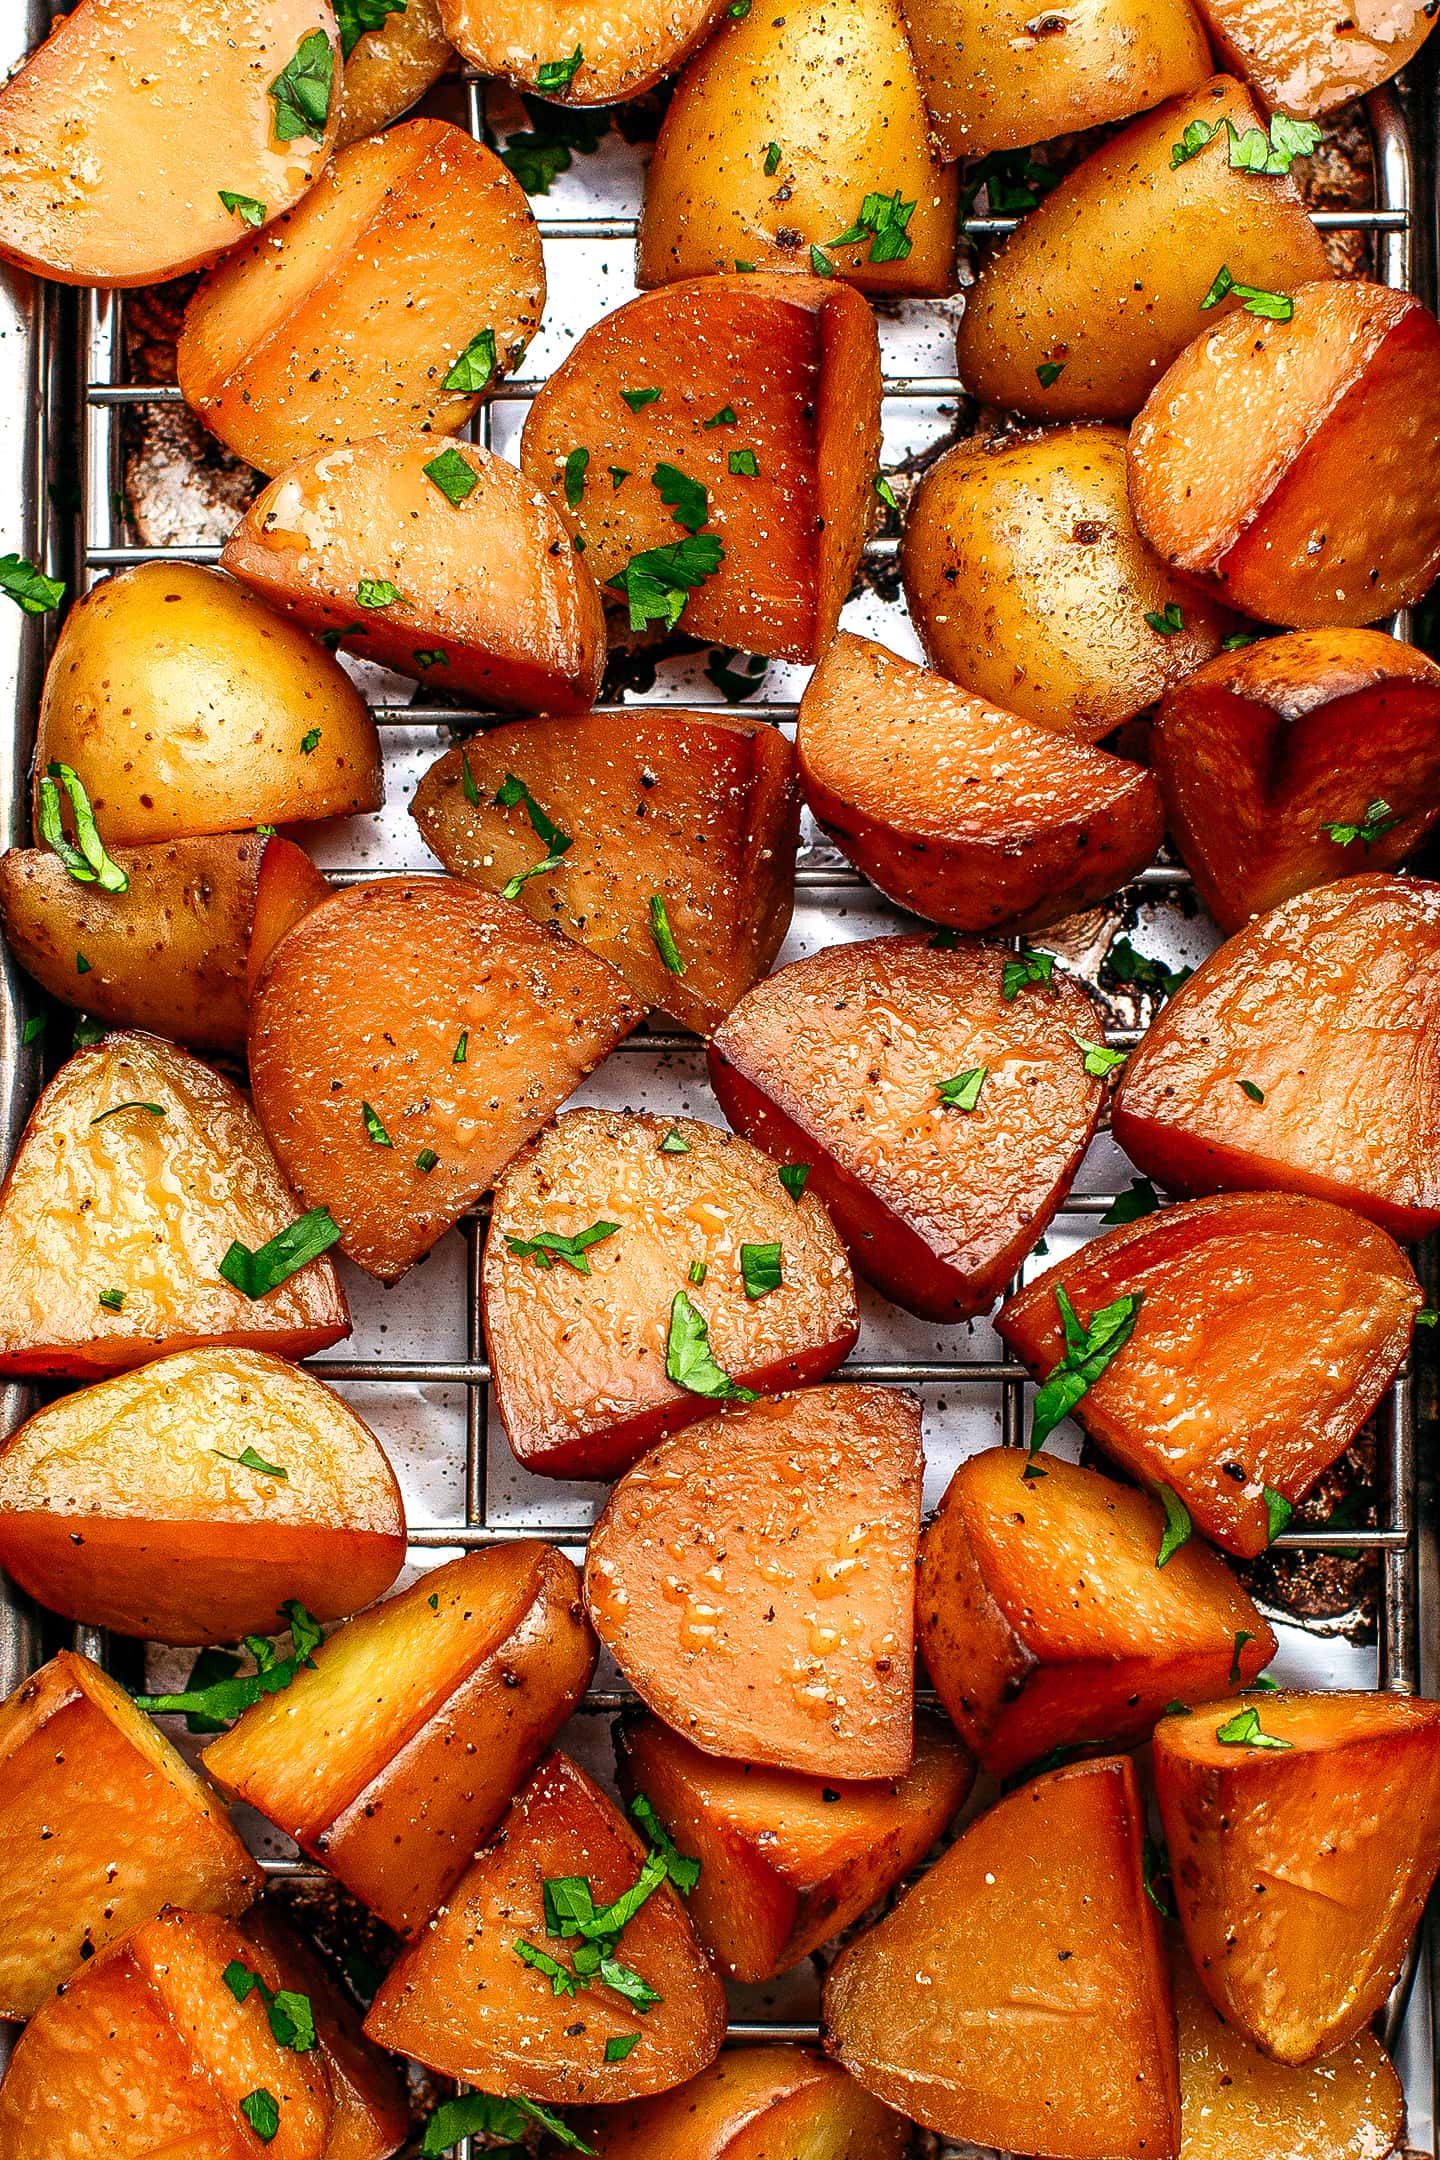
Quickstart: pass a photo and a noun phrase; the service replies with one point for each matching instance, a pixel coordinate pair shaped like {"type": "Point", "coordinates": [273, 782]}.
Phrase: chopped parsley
{"type": "Point", "coordinates": [1178, 1526]}
{"type": "Point", "coordinates": [1243, 1730]}
{"type": "Point", "coordinates": [1012, 181]}
{"type": "Point", "coordinates": [82, 965]}
{"type": "Point", "coordinates": [256, 1274]}
{"type": "Point", "coordinates": [1099, 1062]}
{"type": "Point", "coordinates": [744, 464]}
{"type": "Point", "coordinates": [260, 2108]}
{"type": "Point", "coordinates": [1048, 373]}
{"type": "Point", "coordinates": [1253, 151]}
{"type": "Point", "coordinates": [882, 221]}
{"type": "Point", "coordinates": [689, 1362]}
{"type": "Point", "coordinates": [431, 657]}
{"type": "Point", "coordinates": [1278, 1511]}
{"type": "Point", "coordinates": [29, 588]}
{"type": "Point", "coordinates": [302, 91]}
{"type": "Point", "coordinates": [34, 1028]}
{"type": "Point", "coordinates": [674, 1143]}
{"type": "Point", "coordinates": [473, 369]}
{"type": "Point", "coordinates": [885, 492]}
{"type": "Point", "coordinates": [1090, 1348]}
{"type": "Point", "coordinates": [1154, 1867]}
{"type": "Point", "coordinates": [575, 465]}
{"type": "Point", "coordinates": [546, 149]}
{"type": "Point", "coordinates": [1127, 1207]}
{"type": "Point", "coordinates": [724, 418]}
{"type": "Point", "coordinates": [544, 828]}
{"type": "Point", "coordinates": [820, 263]}
{"type": "Point", "coordinates": [452, 475]}
{"type": "Point", "coordinates": [1029, 967]}
{"type": "Point", "coordinates": [244, 207]}
{"type": "Point", "coordinates": [617, 474]}
{"type": "Point", "coordinates": [664, 936]}
{"type": "Point", "coordinates": [760, 1269]}
{"type": "Point", "coordinates": [1242, 1636]}
{"type": "Point", "coordinates": [154, 1109]}
{"type": "Point", "coordinates": [1168, 621]}
{"type": "Point", "coordinates": [794, 1176]}
{"type": "Point", "coordinates": [375, 1132]}
{"type": "Point", "coordinates": [658, 582]}
{"type": "Point", "coordinates": [963, 1092]}
{"type": "Point", "coordinates": [310, 742]}
{"type": "Point", "coordinates": [355, 17]}
{"type": "Point", "coordinates": [227, 1695]}
{"type": "Point", "coordinates": [685, 498]}
{"type": "Point", "coordinates": [378, 592]}
{"type": "Point", "coordinates": [637, 400]}
{"type": "Point", "coordinates": [772, 159]}
{"type": "Point", "coordinates": [618, 2046]}
{"type": "Point", "coordinates": [112, 1300]}
{"type": "Point", "coordinates": [554, 75]}
{"type": "Point", "coordinates": [291, 2019]}
{"type": "Point", "coordinates": [85, 859]}
{"type": "Point", "coordinates": [548, 1246]}
{"type": "Point", "coordinates": [735, 684]}
{"type": "Point", "coordinates": [249, 1460]}
{"type": "Point", "coordinates": [1248, 1088]}
{"type": "Point", "coordinates": [1238, 639]}
{"type": "Point", "coordinates": [426, 1160]}
{"type": "Point", "coordinates": [1377, 821]}
{"type": "Point", "coordinates": [1123, 964]}
{"type": "Point", "coordinates": [479, 2114]}
{"type": "Point", "coordinates": [696, 1272]}
{"type": "Point", "coordinates": [1273, 307]}
{"type": "Point", "coordinates": [462, 1044]}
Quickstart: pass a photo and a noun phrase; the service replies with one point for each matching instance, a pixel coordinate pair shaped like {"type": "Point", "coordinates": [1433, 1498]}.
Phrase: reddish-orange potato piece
{"type": "Point", "coordinates": [147, 2054]}
{"type": "Point", "coordinates": [1017, 1995]}
{"type": "Point", "coordinates": [372, 2115]}
{"type": "Point", "coordinates": [1301, 1871]}
{"type": "Point", "coordinates": [288, 886]}
{"type": "Point", "coordinates": [1298, 1056]}
{"type": "Point", "coordinates": [462, 2001]}
{"type": "Point", "coordinates": [796, 360]}
{"type": "Point", "coordinates": [837, 1062]}
{"type": "Point", "coordinates": [1263, 751]}
{"type": "Point", "coordinates": [702, 809]}
{"type": "Point", "coordinates": [788, 1861]}
{"type": "Point", "coordinates": [1271, 1325]}
{"type": "Point", "coordinates": [347, 318]}
{"type": "Point", "coordinates": [173, 953]}
{"type": "Point", "coordinates": [1290, 462]}
{"type": "Point", "coordinates": [579, 1359]}
{"type": "Point", "coordinates": [963, 812]}
{"type": "Point", "coordinates": [1308, 58]}
{"type": "Point", "coordinates": [113, 1227]}
{"type": "Point", "coordinates": [360, 1758]}
{"type": "Point", "coordinates": [1045, 1621]}
{"type": "Point", "coordinates": [102, 1824]}
{"type": "Point", "coordinates": [488, 595]}
{"type": "Point", "coordinates": [626, 45]}
{"type": "Point", "coordinates": [753, 1577]}
{"type": "Point", "coordinates": [763, 2103]}
{"type": "Point", "coordinates": [444, 1016]}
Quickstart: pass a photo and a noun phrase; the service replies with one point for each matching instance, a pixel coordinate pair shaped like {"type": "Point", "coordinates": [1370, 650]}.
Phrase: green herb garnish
{"type": "Point", "coordinates": [664, 936]}
{"type": "Point", "coordinates": [547, 1246]}
{"type": "Point", "coordinates": [450, 473]}
{"type": "Point", "coordinates": [1089, 1349]}
{"type": "Point", "coordinates": [963, 1092]}
{"type": "Point", "coordinates": [302, 90]}
{"type": "Point", "coordinates": [760, 1269]}
{"type": "Point", "coordinates": [244, 207]}
{"type": "Point", "coordinates": [553, 75]}
{"type": "Point", "coordinates": [256, 1274]}
{"type": "Point", "coordinates": [85, 859]}
{"type": "Point", "coordinates": [689, 1362]}
{"type": "Point", "coordinates": [658, 582]}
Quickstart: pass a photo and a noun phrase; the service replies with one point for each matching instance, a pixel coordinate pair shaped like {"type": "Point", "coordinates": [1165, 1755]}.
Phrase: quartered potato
{"type": "Point", "coordinates": [959, 810]}
{"type": "Point", "coordinates": [397, 1751]}
{"type": "Point", "coordinates": [139, 1169]}
{"type": "Point", "coordinates": [789, 132]}
{"type": "Point", "coordinates": [467, 579]}
{"type": "Point", "coordinates": [359, 311]}
{"type": "Point", "coordinates": [1301, 56]}
{"type": "Point", "coordinates": [699, 810]}
{"type": "Point", "coordinates": [389, 67]}
{"type": "Point", "coordinates": [736, 419]}
{"type": "Point", "coordinates": [122, 135]}
{"type": "Point", "coordinates": [102, 1825]}
{"type": "Point", "coordinates": [1030, 586]}
{"type": "Point", "coordinates": [1269, 1327]}
{"type": "Point", "coordinates": [756, 2104]}
{"type": "Point", "coordinates": [584, 52]}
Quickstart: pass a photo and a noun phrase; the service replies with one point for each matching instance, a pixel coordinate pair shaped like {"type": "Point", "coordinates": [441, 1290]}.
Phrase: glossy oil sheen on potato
{"type": "Point", "coordinates": [390, 67]}
{"type": "Point", "coordinates": [102, 1824]}
{"type": "Point", "coordinates": [959, 810]}
{"type": "Point", "coordinates": [702, 809]}
{"type": "Point", "coordinates": [627, 44]}
{"type": "Point", "coordinates": [117, 137]}
{"type": "Point", "coordinates": [753, 1578]}
{"type": "Point", "coordinates": [1045, 1620]}
{"type": "Point", "coordinates": [796, 360]}
{"type": "Point", "coordinates": [346, 318]}
{"type": "Point", "coordinates": [148, 1206]}
{"type": "Point", "coordinates": [461, 2001]}
{"type": "Point", "coordinates": [579, 1360]}
{"type": "Point", "coordinates": [1327, 1006]}
{"type": "Point", "coordinates": [762, 2103]}
{"type": "Point", "coordinates": [1017, 1995]}
{"type": "Point", "coordinates": [837, 1062]}
{"type": "Point", "coordinates": [398, 1752]}
{"type": "Point", "coordinates": [1309, 58]}
{"type": "Point", "coordinates": [453, 1020]}
{"type": "Point", "coordinates": [123, 1506]}
{"type": "Point", "coordinates": [1301, 1872]}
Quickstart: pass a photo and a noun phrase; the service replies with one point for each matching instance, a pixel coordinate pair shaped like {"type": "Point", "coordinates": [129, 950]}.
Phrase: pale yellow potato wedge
{"type": "Point", "coordinates": [625, 45]}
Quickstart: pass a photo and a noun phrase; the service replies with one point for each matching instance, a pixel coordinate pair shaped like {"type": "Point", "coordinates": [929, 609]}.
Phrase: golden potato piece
{"type": "Point", "coordinates": [102, 1823]}
{"type": "Point", "coordinates": [475, 587]}
{"type": "Point", "coordinates": [138, 1170]}
{"type": "Point", "coordinates": [779, 133]}
{"type": "Point", "coordinates": [1031, 587]}
{"type": "Point", "coordinates": [357, 313]}
{"type": "Point", "coordinates": [625, 46]}
{"type": "Point", "coordinates": [390, 67]}
{"type": "Point", "coordinates": [1309, 58]}
{"type": "Point", "coordinates": [761, 2103]}
{"type": "Point", "coordinates": [120, 137]}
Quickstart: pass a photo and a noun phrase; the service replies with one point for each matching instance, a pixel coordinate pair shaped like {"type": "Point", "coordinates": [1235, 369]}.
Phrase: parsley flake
{"type": "Point", "coordinates": [745, 464]}
{"type": "Point", "coordinates": [760, 1269]}
{"type": "Point", "coordinates": [1100, 1063]}
{"type": "Point", "coordinates": [87, 861]}
{"type": "Point", "coordinates": [724, 418]}
{"type": "Point", "coordinates": [1242, 1636]}
{"type": "Point", "coordinates": [1278, 1511]}
{"type": "Point", "coordinates": [685, 498]}
{"type": "Point", "coordinates": [1029, 967]}
{"type": "Point", "coordinates": [378, 592]}
{"type": "Point", "coordinates": [674, 1143]}
{"type": "Point", "coordinates": [882, 221]}
{"type": "Point", "coordinates": [696, 1272]}
{"type": "Point", "coordinates": [545, 830]}
{"type": "Point", "coordinates": [1248, 1088]}
{"type": "Point", "coordinates": [555, 75]}
{"type": "Point", "coordinates": [963, 1092]}
{"type": "Point", "coordinates": [256, 1274]}
{"type": "Point", "coordinates": [29, 588]}
{"type": "Point", "coordinates": [475, 366]}
{"type": "Point", "coordinates": [154, 1109]}
{"type": "Point", "coordinates": [1090, 1348]}
{"type": "Point", "coordinates": [689, 1361]}
{"type": "Point", "coordinates": [575, 465]}
{"type": "Point", "coordinates": [1168, 621]}
{"type": "Point", "coordinates": [244, 207]}
{"type": "Point", "coordinates": [794, 1176]}
{"type": "Point", "coordinates": [34, 1028]}
{"type": "Point", "coordinates": [1178, 1526]}
{"type": "Point", "coordinates": [885, 492]}
{"type": "Point", "coordinates": [291, 2018]}
{"type": "Point", "coordinates": [302, 90]}
{"type": "Point", "coordinates": [1127, 1207]}
{"type": "Point", "coordinates": [112, 1300]}
{"type": "Point", "coordinates": [637, 400]}
{"type": "Point", "coordinates": [1273, 307]}
{"type": "Point", "coordinates": [375, 1132]}
{"type": "Point", "coordinates": [618, 2046]}
{"type": "Point", "coordinates": [735, 684]}
{"type": "Point", "coordinates": [462, 1044]}
{"type": "Point", "coordinates": [310, 742]}
{"type": "Point", "coordinates": [260, 2108]}
{"type": "Point", "coordinates": [1048, 373]}
{"type": "Point", "coordinates": [1253, 151]}
{"type": "Point", "coordinates": [1012, 181]}
{"type": "Point", "coordinates": [820, 263]}
{"type": "Point", "coordinates": [1377, 821]}
{"type": "Point", "coordinates": [426, 1160]}
{"type": "Point", "coordinates": [1123, 964]}
{"type": "Point", "coordinates": [658, 582]}
{"type": "Point", "coordinates": [479, 2114]}
{"type": "Point", "coordinates": [1243, 1730]}
{"type": "Point", "coordinates": [225, 1696]}
{"type": "Point", "coordinates": [452, 475]}
{"type": "Point", "coordinates": [664, 936]}
{"type": "Point", "coordinates": [548, 1246]}
{"type": "Point", "coordinates": [356, 17]}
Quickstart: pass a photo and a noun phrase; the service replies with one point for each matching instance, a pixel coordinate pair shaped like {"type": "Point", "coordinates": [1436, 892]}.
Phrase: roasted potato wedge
{"type": "Point", "coordinates": [1078, 314]}
{"type": "Point", "coordinates": [357, 313]}
{"type": "Point", "coordinates": [1046, 1619]}
{"type": "Point", "coordinates": [138, 1170]}
{"type": "Point", "coordinates": [624, 46]}
{"type": "Point", "coordinates": [1293, 1058]}
{"type": "Point", "coordinates": [463, 2001]}
{"type": "Point", "coordinates": [756, 2104]}
{"type": "Point", "coordinates": [391, 66]}
{"type": "Point", "coordinates": [645, 393]}
{"type": "Point", "coordinates": [406, 1039]}
{"type": "Point", "coordinates": [1306, 59]}
{"type": "Point", "coordinates": [753, 1579]}
{"type": "Point", "coordinates": [962, 812]}
{"type": "Point", "coordinates": [1039, 1908]}
{"type": "Point", "coordinates": [1304, 1836]}
{"type": "Point", "coordinates": [838, 1063]}
{"type": "Point", "coordinates": [122, 134]}
{"type": "Point", "coordinates": [476, 588]}
{"type": "Point", "coordinates": [779, 134]}
{"type": "Point", "coordinates": [359, 1760]}
{"type": "Point", "coordinates": [1288, 462]}
{"type": "Point", "coordinates": [699, 808]}
{"type": "Point", "coordinates": [786, 1861]}
{"type": "Point", "coordinates": [1031, 588]}
{"type": "Point", "coordinates": [1296, 760]}
{"type": "Point", "coordinates": [102, 1824]}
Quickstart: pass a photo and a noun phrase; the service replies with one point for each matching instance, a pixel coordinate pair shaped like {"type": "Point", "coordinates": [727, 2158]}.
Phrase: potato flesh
{"type": "Point", "coordinates": [371, 2117]}
{"type": "Point", "coordinates": [1309, 60]}
{"type": "Point", "coordinates": [1101, 280]}
{"type": "Point", "coordinates": [1300, 1875]}
{"type": "Point", "coordinates": [103, 1823]}
{"type": "Point", "coordinates": [461, 2001]}
{"type": "Point", "coordinates": [1324, 1005]}
{"type": "Point", "coordinates": [119, 133]}
{"type": "Point", "coordinates": [1028, 1951]}
{"type": "Point", "coordinates": [345, 320]}
{"type": "Point", "coordinates": [701, 809]}
{"type": "Point", "coordinates": [389, 68]}
{"type": "Point", "coordinates": [837, 90]}
{"type": "Point", "coordinates": [762, 2103]}
{"type": "Point", "coordinates": [837, 1061]}
{"type": "Point", "coordinates": [149, 1206]}
{"type": "Point", "coordinates": [1030, 585]}
{"type": "Point", "coordinates": [627, 44]}
{"type": "Point", "coordinates": [752, 1577]}
{"type": "Point", "coordinates": [959, 810]}
{"type": "Point", "coordinates": [796, 360]}
{"type": "Point", "coordinates": [579, 1361]}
